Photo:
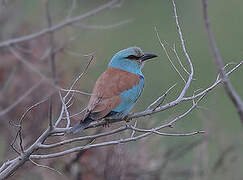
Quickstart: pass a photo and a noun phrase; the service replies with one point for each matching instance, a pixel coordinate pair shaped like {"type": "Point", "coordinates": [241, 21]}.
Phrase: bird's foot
{"type": "Point", "coordinates": [127, 119]}
{"type": "Point", "coordinates": [106, 124]}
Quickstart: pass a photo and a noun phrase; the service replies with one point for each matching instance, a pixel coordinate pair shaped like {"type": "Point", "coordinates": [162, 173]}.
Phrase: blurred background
{"type": "Point", "coordinates": [214, 155]}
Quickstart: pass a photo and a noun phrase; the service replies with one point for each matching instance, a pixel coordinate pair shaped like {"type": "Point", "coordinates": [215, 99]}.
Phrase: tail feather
{"type": "Point", "coordinates": [80, 126]}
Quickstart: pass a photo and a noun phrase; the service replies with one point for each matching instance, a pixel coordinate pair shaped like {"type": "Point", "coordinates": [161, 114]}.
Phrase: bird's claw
{"type": "Point", "coordinates": [106, 124]}
{"type": "Point", "coordinates": [127, 119]}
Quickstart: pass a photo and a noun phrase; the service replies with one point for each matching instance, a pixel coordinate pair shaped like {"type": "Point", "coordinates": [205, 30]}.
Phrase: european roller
{"type": "Point", "coordinates": [117, 89]}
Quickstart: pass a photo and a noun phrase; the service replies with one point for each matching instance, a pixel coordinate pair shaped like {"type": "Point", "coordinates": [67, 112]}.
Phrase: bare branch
{"type": "Point", "coordinates": [235, 98]}
{"type": "Point", "coordinates": [189, 80]}
{"type": "Point", "coordinates": [47, 167]}
{"type": "Point", "coordinates": [179, 60]}
{"type": "Point", "coordinates": [185, 53]}
{"type": "Point", "coordinates": [34, 69]}
{"type": "Point", "coordinates": [44, 146]}
{"type": "Point", "coordinates": [19, 125]}
{"type": "Point", "coordinates": [50, 113]}
{"type": "Point", "coordinates": [69, 91]}
{"type": "Point", "coordinates": [103, 27]}
{"type": "Point", "coordinates": [76, 91]}
{"type": "Point", "coordinates": [58, 26]}
{"type": "Point", "coordinates": [120, 141]}
{"type": "Point", "coordinates": [76, 114]}
{"type": "Point", "coordinates": [167, 134]}
{"type": "Point", "coordinates": [29, 65]}
{"type": "Point", "coordinates": [80, 76]}
{"type": "Point", "coordinates": [6, 164]}
{"type": "Point", "coordinates": [20, 160]}
{"type": "Point", "coordinates": [233, 69]}
{"type": "Point", "coordinates": [21, 98]}
{"type": "Point", "coordinates": [52, 58]}
{"type": "Point", "coordinates": [74, 3]}
{"type": "Point", "coordinates": [66, 110]}
{"type": "Point", "coordinates": [159, 98]}
{"type": "Point", "coordinates": [171, 62]}
{"type": "Point", "coordinates": [218, 81]}
{"type": "Point", "coordinates": [133, 132]}
{"type": "Point", "coordinates": [62, 47]}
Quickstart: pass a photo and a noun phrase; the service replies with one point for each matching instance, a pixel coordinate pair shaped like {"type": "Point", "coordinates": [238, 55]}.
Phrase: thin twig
{"type": "Point", "coordinates": [19, 132]}
{"type": "Point", "coordinates": [103, 27]}
{"type": "Point", "coordinates": [21, 98]}
{"type": "Point", "coordinates": [159, 98]}
{"type": "Point", "coordinates": [46, 167]}
{"type": "Point", "coordinates": [66, 110]}
{"type": "Point", "coordinates": [166, 134]}
{"type": "Point", "coordinates": [34, 69]}
{"type": "Point", "coordinates": [50, 113]}
{"type": "Point", "coordinates": [171, 62]}
{"type": "Point", "coordinates": [179, 60]}
{"type": "Point", "coordinates": [70, 12]}
{"type": "Point", "coordinates": [52, 57]}
{"type": "Point", "coordinates": [45, 146]}
{"type": "Point", "coordinates": [133, 132]}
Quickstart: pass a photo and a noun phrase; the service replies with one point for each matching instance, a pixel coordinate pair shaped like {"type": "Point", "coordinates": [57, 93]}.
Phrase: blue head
{"type": "Point", "coordinates": [131, 59]}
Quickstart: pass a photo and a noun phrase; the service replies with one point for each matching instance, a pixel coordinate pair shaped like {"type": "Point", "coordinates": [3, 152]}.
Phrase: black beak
{"type": "Point", "coordinates": [147, 56]}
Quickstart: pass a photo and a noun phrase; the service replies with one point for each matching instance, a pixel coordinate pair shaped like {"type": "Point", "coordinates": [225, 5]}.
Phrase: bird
{"type": "Point", "coordinates": [117, 89]}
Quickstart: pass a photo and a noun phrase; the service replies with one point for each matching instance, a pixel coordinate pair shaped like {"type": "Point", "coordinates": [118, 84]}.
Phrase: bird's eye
{"type": "Point", "coordinates": [132, 57]}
